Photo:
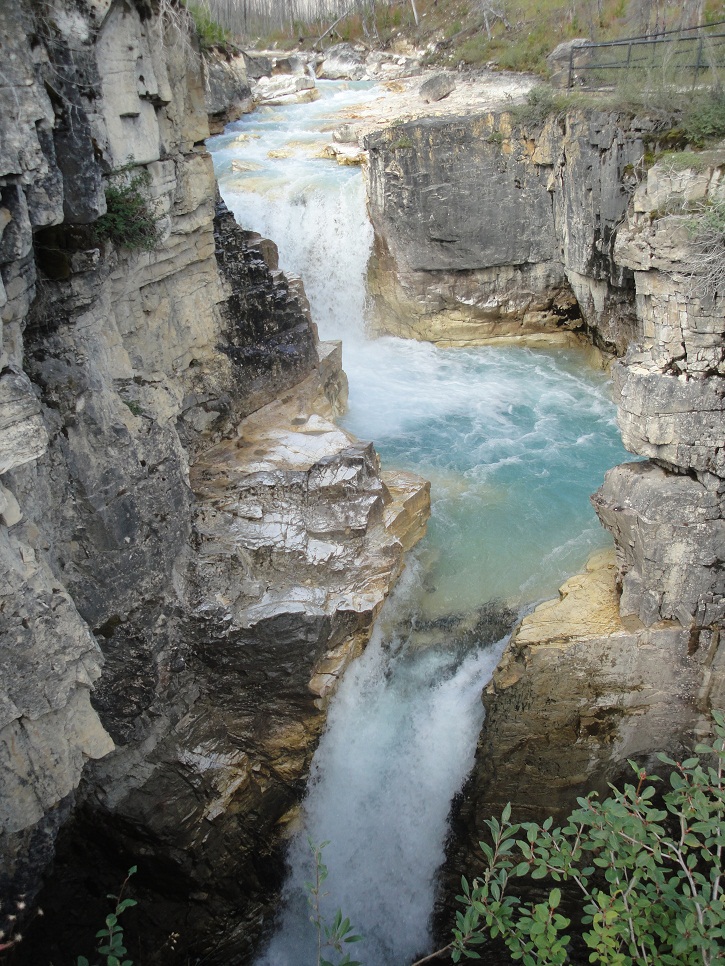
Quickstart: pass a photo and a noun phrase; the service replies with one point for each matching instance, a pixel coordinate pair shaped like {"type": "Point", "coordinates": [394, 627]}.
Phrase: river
{"type": "Point", "coordinates": [513, 440]}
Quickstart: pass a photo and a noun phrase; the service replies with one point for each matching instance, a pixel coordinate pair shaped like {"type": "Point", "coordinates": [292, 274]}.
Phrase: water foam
{"type": "Point", "coordinates": [400, 741]}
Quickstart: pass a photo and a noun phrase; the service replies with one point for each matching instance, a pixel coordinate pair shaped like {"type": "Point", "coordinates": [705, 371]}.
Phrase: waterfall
{"type": "Point", "coordinates": [513, 440]}
{"type": "Point", "coordinates": [399, 743]}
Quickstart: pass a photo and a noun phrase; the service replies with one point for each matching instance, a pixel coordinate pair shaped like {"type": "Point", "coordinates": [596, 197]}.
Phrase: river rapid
{"type": "Point", "coordinates": [513, 440]}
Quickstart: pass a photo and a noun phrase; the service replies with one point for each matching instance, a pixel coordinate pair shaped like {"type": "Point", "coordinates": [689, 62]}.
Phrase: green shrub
{"type": "Point", "coordinates": [707, 250]}
{"type": "Point", "coordinates": [704, 116]}
{"type": "Point", "coordinates": [648, 874]}
{"type": "Point", "coordinates": [210, 32]}
{"type": "Point", "coordinates": [130, 221]}
{"type": "Point", "coordinates": [340, 933]}
{"type": "Point", "coordinates": [541, 102]}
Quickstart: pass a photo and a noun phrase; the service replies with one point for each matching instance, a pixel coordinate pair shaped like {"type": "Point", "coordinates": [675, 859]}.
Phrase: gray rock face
{"type": "Point", "coordinates": [170, 602]}
{"type": "Point", "coordinates": [675, 419]}
{"type": "Point", "coordinates": [227, 92]}
{"type": "Point", "coordinates": [475, 194]}
{"type": "Point", "coordinates": [670, 537]}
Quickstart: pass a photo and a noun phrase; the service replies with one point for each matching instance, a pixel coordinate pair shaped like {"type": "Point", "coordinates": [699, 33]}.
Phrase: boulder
{"type": "Point", "coordinates": [343, 62]}
{"type": "Point", "coordinates": [284, 88]}
{"type": "Point", "coordinates": [437, 87]}
{"type": "Point", "coordinates": [560, 59]}
{"type": "Point", "coordinates": [257, 64]}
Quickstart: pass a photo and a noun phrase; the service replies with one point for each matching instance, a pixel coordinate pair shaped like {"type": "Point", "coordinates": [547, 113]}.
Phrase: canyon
{"type": "Point", "coordinates": [194, 551]}
{"type": "Point", "coordinates": [580, 237]}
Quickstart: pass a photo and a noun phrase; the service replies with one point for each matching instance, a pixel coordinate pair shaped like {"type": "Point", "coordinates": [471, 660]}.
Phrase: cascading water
{"type": "Point", "coordinates": [513, 440]}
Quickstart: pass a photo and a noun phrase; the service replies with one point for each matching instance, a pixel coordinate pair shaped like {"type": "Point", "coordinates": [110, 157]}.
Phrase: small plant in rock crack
{"type": "Point", "coordinates": [130, 221]}
{"type": "Point", "coordinates": [111, 948]}
{"type": "Point", "coordinates": [332, 936]}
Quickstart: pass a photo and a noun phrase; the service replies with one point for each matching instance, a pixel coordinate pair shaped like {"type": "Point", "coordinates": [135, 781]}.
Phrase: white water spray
{"type": "Point", "coordinates": [400, 741]}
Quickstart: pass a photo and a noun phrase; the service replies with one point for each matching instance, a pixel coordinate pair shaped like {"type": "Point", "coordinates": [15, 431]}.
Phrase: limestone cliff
{"type": "Point", "coordinates": [487, 229]}
{"type": "Point", "coordinates": [191, 551]}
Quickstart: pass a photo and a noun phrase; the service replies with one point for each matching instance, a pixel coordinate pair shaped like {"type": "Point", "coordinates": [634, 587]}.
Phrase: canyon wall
{"type": "Point", "coordinates": [191, 550]}
{"type": "Point", "coordinates": [489, 228]}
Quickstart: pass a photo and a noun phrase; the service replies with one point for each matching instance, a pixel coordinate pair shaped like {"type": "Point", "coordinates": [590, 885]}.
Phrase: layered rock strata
{"type": "Point", "coordinates": [489, 230]}
{"type": "Point", "coordinates": [628, 661]}
{"type": "Point", "coordinates": [191, 550]}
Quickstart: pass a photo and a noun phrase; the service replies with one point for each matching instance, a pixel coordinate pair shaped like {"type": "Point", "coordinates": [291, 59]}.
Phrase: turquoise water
{"type": "Point", "coordinates": [513, 441]}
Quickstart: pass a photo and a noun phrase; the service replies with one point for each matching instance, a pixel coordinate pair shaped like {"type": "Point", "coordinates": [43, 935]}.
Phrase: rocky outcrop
{"type": "Point", "coordinates": [227, 90]}
{"type": "Point", "coordinates": [490, 228]}
{"type": "Point", "coordinates": [577, 693]}
{"type": "Point", "coordinates": [191, 550]}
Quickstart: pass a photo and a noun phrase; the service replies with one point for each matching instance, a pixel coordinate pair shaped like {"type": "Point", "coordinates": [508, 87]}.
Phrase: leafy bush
{"type": "Point", "coordinates": [648, 874]}
{"type": "Point", "coordinates": [130, 221]}
{"type": "Point", "coordinates": [704, 116]}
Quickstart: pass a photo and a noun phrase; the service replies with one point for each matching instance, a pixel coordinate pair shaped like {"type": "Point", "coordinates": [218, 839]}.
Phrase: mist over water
{"type": "Point", "coordinates": [513, 440]}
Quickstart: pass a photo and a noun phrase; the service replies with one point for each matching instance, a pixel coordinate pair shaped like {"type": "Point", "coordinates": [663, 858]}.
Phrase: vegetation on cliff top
{"type": "Point", "coordinates": [511, 34]}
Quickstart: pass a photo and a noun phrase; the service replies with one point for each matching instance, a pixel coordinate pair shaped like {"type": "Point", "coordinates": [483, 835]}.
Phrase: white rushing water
{"type": "Point", "coordinates": [513, 440]}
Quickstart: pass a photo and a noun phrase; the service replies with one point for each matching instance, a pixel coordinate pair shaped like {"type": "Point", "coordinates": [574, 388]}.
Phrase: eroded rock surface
{"type": "Point", "coordinates": [191, 551]}
{"type": "Point", "coordinates": [487, 229]}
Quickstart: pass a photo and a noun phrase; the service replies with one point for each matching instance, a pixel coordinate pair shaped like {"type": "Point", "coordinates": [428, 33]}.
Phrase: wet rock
{"type": "Point", "coordinates": [285, 89]}
{"type": "Point", "coordinates": [346, 153]}
{"type": "Point", "coordinates": [292, 64]}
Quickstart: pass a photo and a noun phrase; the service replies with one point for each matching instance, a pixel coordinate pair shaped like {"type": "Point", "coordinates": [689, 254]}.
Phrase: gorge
{"type": "Point", "coordinates": [194, 549]}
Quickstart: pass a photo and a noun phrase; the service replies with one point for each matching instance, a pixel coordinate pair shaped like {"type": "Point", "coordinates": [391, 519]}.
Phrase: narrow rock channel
{"type": "Point", "coordinates": [513, 439]}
